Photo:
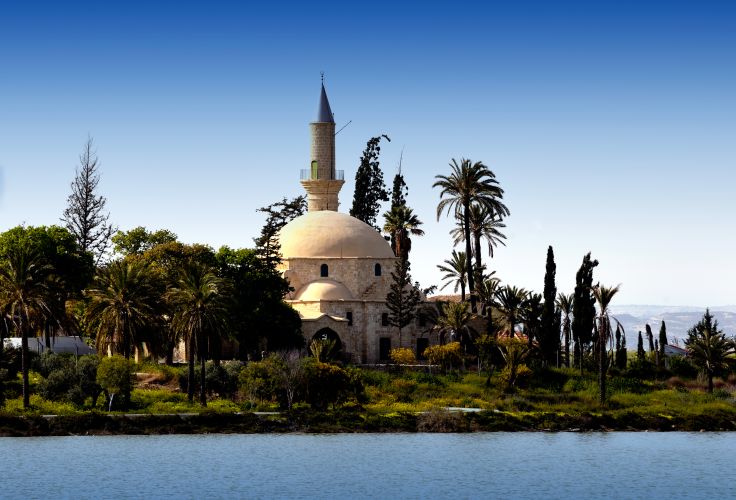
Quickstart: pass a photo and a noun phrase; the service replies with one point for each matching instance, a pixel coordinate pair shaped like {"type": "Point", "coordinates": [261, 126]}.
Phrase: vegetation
{"type": "Point", "coordinates": [370, 190]}
{"type": "Point", "coordinates": [85, 215]}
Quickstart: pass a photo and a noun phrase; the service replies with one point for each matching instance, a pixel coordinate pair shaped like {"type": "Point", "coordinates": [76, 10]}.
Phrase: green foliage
{"type": "Point", "coordinates": [277, 216]}
{"type": "Point", "coordinates": [139, 240]}
{"type": "Point", "coordinates": [330, 384]}
{"type": "Point", "coordinates": [115, 375]}
{"type": "Point", "coordinates": [259, 381]}
{"type": "Point", "coordinates": [549, 338]}
{"type": "Point", "coordinates": [85, 215]}
{"type": "Point", "coordinates": [258, 315]}
{"type": "Point", "coordinates": [401, 222]}
{"type": "Point", "coordinates": [680, 366]}
{"type": "Point", "coordinates": [640, 354]}
{"type": "Point", "coordinates": [68, 378]}
{"type": "Point", "coordinates": [709, 348]}
{"type": "Point", "coordinates": [370, 190]}
{"type": "Point", "coordinates": [403, 296]}
{"type": "Point", "coordinates": [446, 356]}
{"type": "Point", "coordinates": [402, 356]}
{"type": "Point", "coordinates": [456, 272]}
{"type": "Point", "coordinates": [220, 380]}
{"type": "Point", "coordinates": [583, 306]}
{"type": "Point", "coordinates": [56, 247]}
{"type": "Point", "coordinates": [514, 353]}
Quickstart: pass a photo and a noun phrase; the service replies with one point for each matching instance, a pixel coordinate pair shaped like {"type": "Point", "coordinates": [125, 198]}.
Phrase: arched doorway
{"type": "Point", "coordinates": [335, 352]}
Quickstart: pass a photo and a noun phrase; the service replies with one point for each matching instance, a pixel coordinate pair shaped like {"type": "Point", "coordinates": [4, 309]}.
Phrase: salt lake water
{"type": "Point", "coordinates": [481, 465]}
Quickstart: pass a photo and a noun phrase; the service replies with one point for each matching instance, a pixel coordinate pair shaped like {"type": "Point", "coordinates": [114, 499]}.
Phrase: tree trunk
{"type": "Point", "coordinates": [602, 362]}
{"type": "Point", "coordinates": [190, 373]}
{"type": "Point", "coordinates": [567, 343]}
{"type": "Point", "coordinates": [202, 373]}
{"type": "Point", "coordinates": [478, 258]}
{"type": "Point", "coordinates": [24, 367]}
{"type": "Point", "coordinates": [469, 256]}
{"type": "Point", "coordinates": [710, 383]}
{"type": "Point", "coordinates": [462, 291]}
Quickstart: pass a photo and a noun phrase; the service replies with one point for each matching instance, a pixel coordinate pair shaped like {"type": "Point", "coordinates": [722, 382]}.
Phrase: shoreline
{"type": "Point", "coordinates": [103, 424]}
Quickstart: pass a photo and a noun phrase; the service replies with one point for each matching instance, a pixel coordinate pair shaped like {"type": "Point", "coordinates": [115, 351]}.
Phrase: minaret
{"type": "Point", "coordinates": [321, 181]}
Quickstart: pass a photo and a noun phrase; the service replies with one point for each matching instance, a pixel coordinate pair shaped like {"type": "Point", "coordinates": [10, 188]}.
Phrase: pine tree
{"type": "Point", "coordinates": [640, 354]}
{"type": "Point", "coordinates": [370, 190]}
{"type": "Point", "coordinates": [278, 215]}
{"type": "Point", "coordinates": [403, 297]}
{"type": "Point", "coordinates": [85, 215]}
{"type": "Point", "coordinates": [583, 308]}
{"type": "Point", "coordinates": [549, 340]}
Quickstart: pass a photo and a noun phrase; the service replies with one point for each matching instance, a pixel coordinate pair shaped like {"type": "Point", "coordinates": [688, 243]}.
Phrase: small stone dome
{"type": "Point", "coordinates": [327, 234]}
{"type": "Point", "coordinates": [323, 289]}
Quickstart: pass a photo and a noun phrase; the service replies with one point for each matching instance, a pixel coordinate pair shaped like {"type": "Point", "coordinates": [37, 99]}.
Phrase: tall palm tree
{"type": "Point", "coordinates": [603, 296]}
{"type": "Point", "coordinates": [123, 301]}
{"type": "Point", "coordinates": [200, 301]}
{"type": "Point", "coordinates": [709, 348]}
{"type": "Point", "coordinates": [25, 297]}
{"type": "Point", "coordinates": [469, 183]}
{"type": "Point", "coordinates": [531, 315]}
{"type": "Point", "coordinates": [511, 301]}
{"type": "Point", "coordinates": [483, 224]}
{"type": "Point", "coordinates": [400, 223]}
{"type": "Point", "coordinates": [564, 303]}
{"type": "Point", "coordinates": [456, 272]}
{"type": "Point", "coordinates": [455, 319]}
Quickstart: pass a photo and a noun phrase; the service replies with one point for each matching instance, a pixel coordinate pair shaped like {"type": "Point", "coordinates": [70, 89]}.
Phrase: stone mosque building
{"type": "Point", "coordinates": [339, 266]}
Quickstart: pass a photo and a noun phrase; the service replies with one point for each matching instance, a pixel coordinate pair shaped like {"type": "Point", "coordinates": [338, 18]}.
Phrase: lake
{"type": "Point", "coordinates": [480, 465]}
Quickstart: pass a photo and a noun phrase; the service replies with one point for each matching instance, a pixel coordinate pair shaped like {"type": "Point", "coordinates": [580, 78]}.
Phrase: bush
{"type": "Point", "coordinates": [327, 384]}
{"type": "Point", "coordinates": [259, 381]}
{"type": "Point", "coordinates": [403, 389]}
{"type": "Point", "coordinates": [115, 376]}
{"type": "Point", "coordinates": [220, 380]}
{"type": "Point", "coordinates": [680, 366]}
{"type": "Point", "coordinates": [402, 356]}
{"type": "Point", "coordinates": [515, 376]}
{"type": "Point", "coordinates": [444, 355]}
{"type": "Point", "coordinates": [68, 378]}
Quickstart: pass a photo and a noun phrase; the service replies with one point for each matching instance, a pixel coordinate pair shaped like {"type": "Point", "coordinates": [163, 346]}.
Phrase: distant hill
{"type": "Point", "coordinates": [679, 319]}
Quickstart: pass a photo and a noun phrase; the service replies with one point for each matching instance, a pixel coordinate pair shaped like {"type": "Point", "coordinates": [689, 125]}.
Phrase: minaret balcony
{"type": "Point", "coordinates": [306, 174]}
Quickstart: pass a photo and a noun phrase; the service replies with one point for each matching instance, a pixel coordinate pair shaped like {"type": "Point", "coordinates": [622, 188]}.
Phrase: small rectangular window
{"type": "Point", "coordinates": [349, 316]}
{"type": "Point", "coordinates": [384, 348]}
{"type": "Point", "coordinates": [384, 319]}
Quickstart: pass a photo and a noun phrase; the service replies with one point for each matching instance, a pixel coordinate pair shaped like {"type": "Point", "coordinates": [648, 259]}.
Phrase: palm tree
{"type": "Point", "coordinates": [200, 301]}
{"type": "Point", "coordinates": [469, 183]}
{"type": "Point", "coordinates": [603, 296]}
{"type": "Point", "coordinates": [483, 224]}
{"type": "Point", "coordinates": [511, 300]}
{"type": "Point", "coordinates": [709, 348]}
{"type": "Point", "coordinates": [123, 302]}
{"type": "Point", "coordinates": [456, 272]}
{"type": "Point", "coordinates": [531, 315]}
{"type": "Point", "coordinates": [487, 290]}
{"type": "Point", "coordinates": [455, 319]}
{"type": "Point", "coordinates": [564, 303]}
{"type": "Point", "coordinates": [400, 223]}
{"type": "Point", "coordinates": [25, 297]}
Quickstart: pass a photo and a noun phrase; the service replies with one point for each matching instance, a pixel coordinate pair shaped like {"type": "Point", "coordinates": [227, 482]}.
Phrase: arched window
{"type": "Point", "coordinates": [324, 271]}
{"type": "Point", "coordinates": [377, 269]}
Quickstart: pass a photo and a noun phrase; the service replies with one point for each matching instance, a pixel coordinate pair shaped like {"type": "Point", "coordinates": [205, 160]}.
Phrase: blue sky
{"type": "Point", "coordinates": [611, 125]}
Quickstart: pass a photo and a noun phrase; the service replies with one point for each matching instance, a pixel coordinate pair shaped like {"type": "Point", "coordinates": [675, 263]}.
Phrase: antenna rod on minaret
{"type": "Point", "coordinates": [348, 123]}
{"type": "Point", "coordinates": [401, 158]}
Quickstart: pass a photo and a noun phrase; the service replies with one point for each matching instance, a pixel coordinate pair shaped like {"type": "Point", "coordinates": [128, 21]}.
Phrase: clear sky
{"type": "Point", "coordinates": [610, 124]}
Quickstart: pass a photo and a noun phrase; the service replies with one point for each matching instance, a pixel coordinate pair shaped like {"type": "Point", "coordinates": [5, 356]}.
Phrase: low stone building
{"type": "Point", "coordinates": [339, 266]}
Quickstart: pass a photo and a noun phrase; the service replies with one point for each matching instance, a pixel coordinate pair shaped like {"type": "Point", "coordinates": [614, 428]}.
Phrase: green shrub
{"type": "Point", "coordinates": [115, 376]}
{"type": "Point", "coordinates": [68, 378]}
{"type": "Point", "coordinates": [403, 389]}
{"type": "Point", "coordinates": [680, 366]}
{"type": "Point", "coordinates": [259, 381]}
{"type": "Point", "coordinates": [402, 356]}
{"type": "Point", "coordinates": [220, 380]}
{"type": "Point", "coordinates": [327, 384]}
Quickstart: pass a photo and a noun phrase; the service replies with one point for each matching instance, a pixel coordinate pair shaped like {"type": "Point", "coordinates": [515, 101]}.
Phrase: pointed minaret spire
{"type": "Point", "coordinates": [321, 181]}
{"type": "Point", "coordinates": [324, 114]}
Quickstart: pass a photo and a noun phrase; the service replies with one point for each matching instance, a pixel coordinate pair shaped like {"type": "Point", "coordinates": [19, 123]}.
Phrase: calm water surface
{"type": "Point", "coordinates": [494, 465]}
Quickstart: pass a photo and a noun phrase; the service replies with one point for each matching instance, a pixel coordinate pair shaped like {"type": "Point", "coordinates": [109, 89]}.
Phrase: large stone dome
{"type": "Point", "coordinates": [323, 289]}
{"type": "Point", "coordinates": [328, 234]}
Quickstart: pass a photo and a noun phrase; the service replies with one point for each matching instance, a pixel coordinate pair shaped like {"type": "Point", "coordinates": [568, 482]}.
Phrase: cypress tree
{"type": "Point", "coordinates": [399, 191]}
{"type": "Point", "coordinates": [650, 337]}
{"type": "Point", "coordinates": [583, 308]}
{"type": "Point", "coordinates": [662, 340]}
{"type": "Point", "coordinates": [640, 355]}
{"type": "Point", "coordinates": [618, 346]}
{"type": "Point", "coordinates": [370, 190]}
{"type": "Point", "coordinates": [549, 340]}
{"type": "Point", "coordinates": [624, 354]}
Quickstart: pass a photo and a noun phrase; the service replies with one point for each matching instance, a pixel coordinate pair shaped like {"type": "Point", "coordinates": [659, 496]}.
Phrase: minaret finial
{"type": "Point", "coordinates": [322, 75]}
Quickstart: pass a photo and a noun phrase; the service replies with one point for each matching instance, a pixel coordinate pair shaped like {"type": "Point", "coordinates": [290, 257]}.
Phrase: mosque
{"type": "Point", "coordinates": [340, 267]}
